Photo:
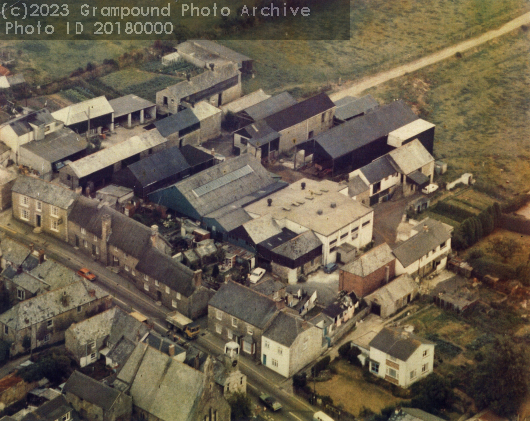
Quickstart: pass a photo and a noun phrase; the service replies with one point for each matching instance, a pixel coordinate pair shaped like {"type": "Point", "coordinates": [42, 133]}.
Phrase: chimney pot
{"type": "Point", "coordinates": [425, 228]}
{"type": "Point", "coordinates": [172, 350]}
{"type": "Point", "coordinates": [31, 247]}
{"type": "Point", "coordinates": [92, 292]}
{"type": "Point", "coordinates": [333, 205]}
{"type": "Point", "coordinates": [303, 185]}
{"type": "Point", "coordinates": [319, 212]}
{"type": "Point", "coordinates": [269, 201]}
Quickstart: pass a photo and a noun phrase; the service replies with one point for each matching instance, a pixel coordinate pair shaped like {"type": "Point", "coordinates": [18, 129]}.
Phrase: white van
{"type": "Point", "coordinates": [321, 416]}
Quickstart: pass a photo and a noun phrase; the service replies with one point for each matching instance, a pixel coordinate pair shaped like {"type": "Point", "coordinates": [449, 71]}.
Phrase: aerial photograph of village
{"type": "Point", "coordinates": [270, 210]}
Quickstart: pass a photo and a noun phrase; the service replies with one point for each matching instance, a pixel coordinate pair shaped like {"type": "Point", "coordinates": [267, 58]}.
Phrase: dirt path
{"type": "Point", "coordinates": [382, 77]}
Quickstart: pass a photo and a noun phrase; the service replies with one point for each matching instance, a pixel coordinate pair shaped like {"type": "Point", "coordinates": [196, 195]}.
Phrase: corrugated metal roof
{"type": "Point", "coordinates": [388, 294]}
{"type": "Point", "coordinates": [245, 102]}
{"type": "Point", "coordinates": [77, 113]}
{"type": "Point", "coordinates": [259, 133]}
{"type": "Point", "coordinates": [377, 170]}
{"type": "Point", "coordinates": [410, 130]}
{"type": "Point", "coordinates": [411, 157]}
{"type": "Point", "coordinates": [223, 180]}
{"type": "Point", "coordinates": [116, 153]}
{"type": "Point", "coordinates": [57, 145]}
{"type": "Point", "coordinates": [195, 156]}
{"type": "Point", "coordinates": [176, 122]}
{"type": "Point", "coordinates": [270, 106]}
{"type": "Point", "coordinates": [355, 107]}
{"type": "Point", "coordinates": [363, 130]}
{"type": "Point", "coordinates": [203, 110]}
{"type": "Point", "coordinates": [129, 104]}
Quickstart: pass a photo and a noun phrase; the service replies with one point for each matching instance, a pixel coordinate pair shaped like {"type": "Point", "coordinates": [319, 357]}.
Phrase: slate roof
{"type": "Point", "coordinates": [205, 80]}
{"type": "Point", "coordinates": [129, 104]}
{"type": "Point", "coordinates": [176, 122]}
{"type": "Point", "coordinates": [260, 229]}
{"type": "Point", "coordinates": [276, 240]}
{"type": "Point", "coordinates": [376, 170]}
{"type": "Point", "coordinates": [413, 414]}
{"type": "Point", "coordinates": [14, 252]}
{"type": "Point", "coordinates": [299, 246]}
{"type": "Point", "coordinates": [48, 305]}
{"type": "Point", "coordinates": [285, 328]}
{"type": "Point", "coordinates": [22, 125]}
{"type": "Point", "coordinates": [77, 113]}
{"type": "Point", "coordinates": [388, 294]}
{"type": "Point", "coordinates": [270, 106]}
{"type": "Point", "coordinates": [419, 178]}
{"type": "Point", "coordinates": [370, 261]}
{"type": "Point", "coordinates": [90, 390]}
{"type": "Point", "coordinates": [57, 145]}
{"type": "Point", "coordinates": [299, 112]}
{"type": "Point", "coordinates": [397, 343]}
{"type": "Point", "coordinates": [423, 242]}
{"type": "Point", "coordinates": [357, 186]}
{"type": "Point", "coordinates": [116, 153]}
{"type": "Point", "coordinates": [159, 166]}
{"type": "Point", "coordinates": [259, 133]}
{"type": "Point", "coordinates": [354, 107]}
{"type": "Point", "coordinates": [360, 131]}
{"type": "Point", "coordinates": [195, 156]}
{"type": "Point", "coordinates": [161, 344]}
{"type": "Point", "coordinates": [410, 157]}
{"type": "Point", "coordinates": [160, 385]}
{"type": "Point", "coordinates": [232, 219]}
{"type": "Point", "coordinates": [127, 234]}
{"type": "Point", "coordinates": [45, 191]}
{"type": "Point", "coordinates": [245, 304]}
{"type": "Point", "coordinates": [268, 287]}
{"type": "Point", "coordinates": [51, 410]}
{"type": "Point", "coordinates": [169, 271]}
{"type": "Point", "coordinates": [224, 184]}
{"type": "Point", "coordinates": [121, 351]}
{"type": "Point", "coordinates": [245, 102]}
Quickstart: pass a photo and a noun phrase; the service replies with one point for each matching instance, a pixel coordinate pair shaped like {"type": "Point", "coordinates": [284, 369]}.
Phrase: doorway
{"type": "Point", "coordinates": [39, 220]}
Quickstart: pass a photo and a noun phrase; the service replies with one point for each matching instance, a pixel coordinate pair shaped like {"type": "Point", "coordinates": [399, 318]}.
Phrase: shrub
{"type": "Point", "coordinates": [300, 380]}
{"type": "Point", "coordinates": [321, 365]}
{"type": "Point", "coordinates": [4, 351]}
{"type": "Point", "coordinates": [344, 350]}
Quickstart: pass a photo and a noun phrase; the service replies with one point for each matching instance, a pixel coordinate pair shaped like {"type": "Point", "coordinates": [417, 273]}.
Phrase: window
{"type": "Point", "coordinates": [24, 200]}
{"type": "Point", "coordinates": [54, 210]}
{"type": "Point", "coordinates": [93, 356]}
{"type": "Point", "coordinates": [218, 328]}
{"type": "Point", "coordinates": [66, 417]}
{"type": "Point", "coordinates": [366, 223]}
{"type": "Point", "coordinates": [178, 296]}
{"type": "Point", "coordinates": [323, 117]}
{"type": "Point", "coordinates": [115, 248]}
{"type": "Point", "coordinates": [274, 362]}
{"type": "Point", "coordinates": [49, 323]}
{"type": "Point", "coordinates": [332, 242]}
{"type": "Point", "coordinates": [250, 330]}
{"type": "Point", "coordinates": [229, 333]}
{"type": "Point", "coordinates": [425, 368]}
{"type": "Point", "coordinates": [157, 283]}
{"type": "Point", "coordinates": [95, 238]}
{"type": "Point", "coordinates": [85, 242]}
{"type": "Point", "coordinates": [267, 344]}
{"type": "Point", "coordinates": [146, 286]}
{"type": "Point", "coordinates": [247, 347]}
{"type": "Point", "coordinates": [127, 268]}
{"type": "Point", "coordinates": [38, 205]}
{"type": "Point", "coordinates": [24, 214]}
{"type": "Point", "coordinates": [116, 258]}
{"type": "Point", "coordinates": [133, 273]}
{"type": "Point", "coordinates": [54, 226]}
{"type": "Point", "coordinates": [218, 314]}
{"type": "Point", "coordinates": [21, 294]}
{"type": "Point", "coordinates": [374, 367]}
{"type": "Point", "coordinates": [47, 338]}
{"type": "Point", "coordinates": [391, 372]}
{"type": "Point", "coordinates": [280, 350]}
{"type": "Point", "coordinates": [79, 309]}
{"type": "Point", "coordinates": [6, 329]}
{"type": "Point", "coordinates": [443, 245]}
{"type": "Point", "coordinates": [234, 322]}
{"type": "Point", "coordinates": [425, 353]}
{"type": "Point", "coordinates": [146, 278]}
{"type": "Point", "coordinates": [412, 374]}
{"type": "Point", "coordinates": [83, 231]}
{"type": "Point", "coordinates": [343, 235]}
{"type": "Point", "coordinates": [174, 303]}
{"type": "Point", "coordinates": [167, 290]}
{"type": "Point", "coordinates": [97, 249]}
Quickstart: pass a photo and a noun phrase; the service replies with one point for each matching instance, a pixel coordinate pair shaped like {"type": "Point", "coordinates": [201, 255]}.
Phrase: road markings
{"type": "Point", "coordinates": [299, 419]}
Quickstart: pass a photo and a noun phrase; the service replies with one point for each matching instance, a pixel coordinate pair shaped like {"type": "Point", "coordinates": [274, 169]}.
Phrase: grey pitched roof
{"type": "Point", "coordinates": [377, 170]}
{"type": "Point", "coordinates": [57, 145]}
{"type": "Point", "coordinates": [195, 156]}
{"type": "Point", "coordinates": [159, 166]}
{"type": "Point", "coordinates": [419, 178]}
{"type": "Point", "coordinates": [299, 112]}
{"type": "Point", "coordinates": [120, 352]}
{"type": "Point", "coordinates": [127, 234]}
{"type": "Point", "coordinates": [162, 386]}
{"type": "Point", "coordinates": [259, 133]}
{"type": "Point", "coordinates": [356, 106]}
{"type": "Point", "coordinates": [77, 113]}
{"type": "Point", "coordinates": [397, 343]}
{"type": "Point", "coordinates": [244, 303]}
{"type": "Point", "coordinates": [411, 156]}
{"type": "Point", "coordinates": [48, 305]}
{"type": "Point", "coordinates": [299, 246]}
{"type": "Point", "coordinates": [360, 131]}
{"type": "Point", "coordinates": [356, 186]}
{"type": "Point", "coordinates": [224, 183]}
{"type": "Point", "coordinates": [413, 414]}
{"type": "Point", "coordinates": [233, 218]}
{"type": "Point", "coordinates": [370, 261]}
{"type": "Point", "coordinates": [129, 104]}
{"type": "Point", "coordinates": [391, 292]}
{"type": "Point", "coordinates": [220, 50]}
{"type": "Point", "coordinates": [22, 125]}
{"type": "Point", "coordinates": [268, 287]}
{"type": "Point", "coordinates": [169, 271]}
{"type": "Point", "coordinates": [205, 80]}
{"type": "Point", "coordinates": [51, 410]}
{"type": "Point", "coordinates": [162, 344]}
{"type": "Point", "coordinates": [285, 328]}
{"type": "Point", "coordinates": [90, 390]}
{"type": "Point", "coordinates": [176, 122]}
{"type": "Point", "coordinates": [270, 106]}
{"type": "Point", "coordinates": [45, 191]}
{"type": "Point", "coordinates": [423, 242]}
{"type": "Point", "coordinates": [14, 252]}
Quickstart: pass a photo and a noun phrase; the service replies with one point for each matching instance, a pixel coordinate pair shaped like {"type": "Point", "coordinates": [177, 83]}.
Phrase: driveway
{"type": "Point", "coordinates": [387, 216]}
{"type": "Point", "coordinates": [326, 285]}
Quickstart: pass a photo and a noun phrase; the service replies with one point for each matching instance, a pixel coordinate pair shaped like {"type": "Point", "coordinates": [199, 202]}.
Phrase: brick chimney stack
{"type": "Point", "coordinates": [171, 350]}
{"type": "Point", "coordinates": [154, 235]}
{"type": "Point", "coordinates": [42, 256]}
{"type": "Point", "coordinates": [106, 229]}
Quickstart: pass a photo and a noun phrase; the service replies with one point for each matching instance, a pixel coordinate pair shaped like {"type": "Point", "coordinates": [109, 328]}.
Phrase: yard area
{"type": "Point", "coordinates": [352, 392]}
{"type": "Point", "coordinates": [519, 257]}
{"type": "Point", "coordinates": [480, 106]}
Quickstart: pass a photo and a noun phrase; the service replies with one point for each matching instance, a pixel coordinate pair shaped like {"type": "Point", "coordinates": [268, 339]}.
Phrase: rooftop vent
{"type": "Point", "coordinates": [303, 186]}
{"type": "Point", "coordinates": [319, 212]}
{"type": "Point", "coordinates": [269, 201]}
{"type": "Point", "coordinates": [333, 205]}
{"type": "Point", "coordinates": [425, 228]}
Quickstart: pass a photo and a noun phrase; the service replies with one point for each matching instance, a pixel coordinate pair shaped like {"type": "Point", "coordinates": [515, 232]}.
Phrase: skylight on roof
{"type": "Point", "coordinates": [223, 181]}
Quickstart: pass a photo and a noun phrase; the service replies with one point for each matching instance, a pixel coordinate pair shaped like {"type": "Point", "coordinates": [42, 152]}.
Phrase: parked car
{"type": "Point", "coordinates": [85, 273]}
{"type": "Point", "coordinates": [330, 268]}
{"type": "Point", "coordinates": [431, 188]}
{"type": "Point", "coordinates": [256, 275]}
{"type": "Point", "coordinates": [270, 402]}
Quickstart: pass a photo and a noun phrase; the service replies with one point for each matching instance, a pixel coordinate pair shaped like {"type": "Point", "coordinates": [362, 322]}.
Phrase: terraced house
{"type": "Point", "coordinates": [43, 205]}
{"type": "Point", "coordinates": [140, 253]}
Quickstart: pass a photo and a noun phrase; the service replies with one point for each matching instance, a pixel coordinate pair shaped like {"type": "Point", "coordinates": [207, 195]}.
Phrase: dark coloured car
{"type": "Point", "coordinates": [330, 268]}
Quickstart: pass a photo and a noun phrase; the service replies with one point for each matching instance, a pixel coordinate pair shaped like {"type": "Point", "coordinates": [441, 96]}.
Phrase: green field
{"type": "Point", "coordinates": [480, 105]}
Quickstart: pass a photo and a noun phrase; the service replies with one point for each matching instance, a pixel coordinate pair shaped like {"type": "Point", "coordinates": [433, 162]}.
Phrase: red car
{"type": "Point", "coordinates": [85, 273]}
